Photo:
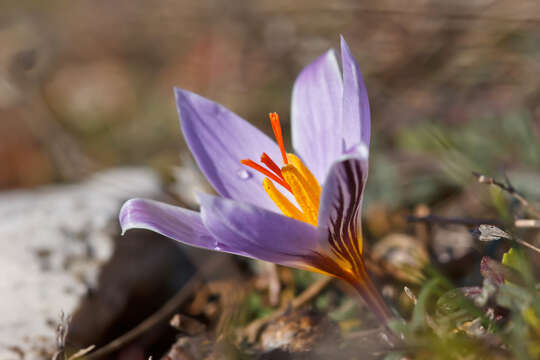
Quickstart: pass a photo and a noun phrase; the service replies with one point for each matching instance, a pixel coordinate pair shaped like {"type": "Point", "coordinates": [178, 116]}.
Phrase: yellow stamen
{"type": "Point", "coordinates": [294, 176]}
{"type": "Point", "coordinates": [282, 202]}
{"type": "Point", "coordinates": [310, 179]}
{"type": "Point", "coordinates": [305, 195]}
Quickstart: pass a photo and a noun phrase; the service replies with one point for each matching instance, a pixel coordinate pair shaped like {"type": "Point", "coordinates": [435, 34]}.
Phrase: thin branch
{"type": "Point", "coordinates": [527, 223]}
{"type": "Point", "coordinates": [483, 179]}
{"type": "Point", "coordinates": [311, 292]}
{"type": "Point", "coordinates": [274, 284]}
{"type": "Point", "coordinates": [519, 223]}
{"type": "Point", "coordinates": [164, 312]}
{"type": "Point", "coordinates": [159, 316]}
{"type": "Point", "coordinates": [252, 330]}
{"type": "Point", "coordinates": [452, 220]}
{"type": "Point", "coordinates": [79, 354]}
{"type": "Point", "coordinates": [526, 244]}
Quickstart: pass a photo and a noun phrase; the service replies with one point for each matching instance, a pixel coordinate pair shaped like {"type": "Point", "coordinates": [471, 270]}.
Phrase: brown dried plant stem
{"type": "Point", "coordinates": [159, 316]}
{"type": "Point", "coordinates": [483, 179]}
{"type": "Point", "coordinates": [194, 283]}
{"type": "Point", "coordinates": [526, 244]}
{"type": "Point", "coordinates": [251, 331]}
{"type": "Point", "coordinates": [453, 220]}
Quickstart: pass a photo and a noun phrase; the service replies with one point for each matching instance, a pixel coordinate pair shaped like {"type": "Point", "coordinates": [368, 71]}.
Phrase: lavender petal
{"type": "Point", "coordinates": [341, 207]}
{"type": "Point", "coordinates": [356, 115]}
{"type": "Point", "coordinates": [255, 232]}
{"type": "Point", "coordinates": [316, 114]}
{"type": "Point", "coordinates": [219, 139]}
{"type": "Point", "coordinates": [174, 222]}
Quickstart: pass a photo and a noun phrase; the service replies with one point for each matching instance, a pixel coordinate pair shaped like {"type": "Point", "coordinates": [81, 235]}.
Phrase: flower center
{"type": "Point", "coordinates": [294, 176]}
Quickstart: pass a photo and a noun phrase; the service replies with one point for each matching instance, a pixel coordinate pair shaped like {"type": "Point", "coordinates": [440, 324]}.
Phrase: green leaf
{"type": "Point", "coordinates": [515, 258]}
{"type": "Point", "coordinates": [432, 287]}
{"type": "Point", "coordinates": [512, 296]}
{"type": "Point", "coordinates": [499, 202]}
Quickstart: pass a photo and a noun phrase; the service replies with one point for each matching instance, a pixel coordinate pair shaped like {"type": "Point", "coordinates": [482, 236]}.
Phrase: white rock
{"type": "Point", "coordinates": [53, 241]}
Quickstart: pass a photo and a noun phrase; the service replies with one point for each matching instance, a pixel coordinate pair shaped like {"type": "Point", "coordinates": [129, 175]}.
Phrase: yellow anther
{"type": "Point", "coordinates": [312, 182]}
{"type": "Point", "coordinates": [306, 197]}
{"type": "Point", "coordinates": [282, 202]}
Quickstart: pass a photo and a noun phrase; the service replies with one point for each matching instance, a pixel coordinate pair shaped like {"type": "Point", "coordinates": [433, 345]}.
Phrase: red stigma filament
{"type": "Point", "coordinates": [273, 172]}
{"type": "Point", "coordinates": [266, 160]}
{"type": "Point", "coordinates": [276, 127]}
{"type": "Point", "coordinates": [252, 164]}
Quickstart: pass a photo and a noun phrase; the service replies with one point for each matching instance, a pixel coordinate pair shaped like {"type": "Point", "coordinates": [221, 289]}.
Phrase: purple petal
{"type": "Point", "coordinates": [341, 207]}
{"type": "Point", "coordinates": [255, 232]}
{"type": "Point", "coordinates": [174, 222]}
{"type": "Point", "coordinates": [356, 116]}
{"type": "Point", "coordinates": [316, 114]}
{"type": "Point", "coordinates": [219, 139]}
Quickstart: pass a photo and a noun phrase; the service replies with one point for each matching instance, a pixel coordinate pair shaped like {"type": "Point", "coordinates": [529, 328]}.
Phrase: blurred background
{"type": "Point", "coordinates": [86, 87]}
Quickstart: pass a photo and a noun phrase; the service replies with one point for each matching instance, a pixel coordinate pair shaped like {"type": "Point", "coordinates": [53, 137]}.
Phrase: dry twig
{"type": "Point", "coordinates": [526, 244]}
{"type": "Point", "coordinates": [453, 220]}
{"type": "Point", "coordinates": [164, 312]}
{"type": "Point", "coordinates": [251, 331]}
{"type": "Point", "coordinates": [274, 284]}
{"type": "Point", "coordinates": [79, 354]}
{"type": "Point", "coordinates": [483, 179]}
{"type": "Point", "coordinates": [187, 324]}
{"type": "Point", "coordinates": [527, 223]}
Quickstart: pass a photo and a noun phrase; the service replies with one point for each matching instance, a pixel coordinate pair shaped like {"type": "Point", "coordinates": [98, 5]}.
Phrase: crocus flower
{"type": "Point", "coordinates": [274, 213]}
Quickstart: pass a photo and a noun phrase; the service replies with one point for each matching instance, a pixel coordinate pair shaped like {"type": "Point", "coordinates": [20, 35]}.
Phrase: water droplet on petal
{"type": "Point", "coordinates": [244, 174]}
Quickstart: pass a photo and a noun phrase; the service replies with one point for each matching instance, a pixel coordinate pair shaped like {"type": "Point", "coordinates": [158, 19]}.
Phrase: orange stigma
{"type": "Point", "coordinates": [276, 126]}
{"type": "Point", "coordinates": [252, 164]}
{"type": "Point", "coordinates": [275, 172]}
{"type": "Point", "coordinates": [293, 176]}
{"type": "Point", "coordinates": [266, 160]}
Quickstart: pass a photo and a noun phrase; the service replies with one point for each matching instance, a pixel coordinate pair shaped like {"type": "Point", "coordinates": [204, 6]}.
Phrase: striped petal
{"type": "Point", "coordinates": [340, 210]}
{"type": "Point", "coordinates": [340, 230]}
